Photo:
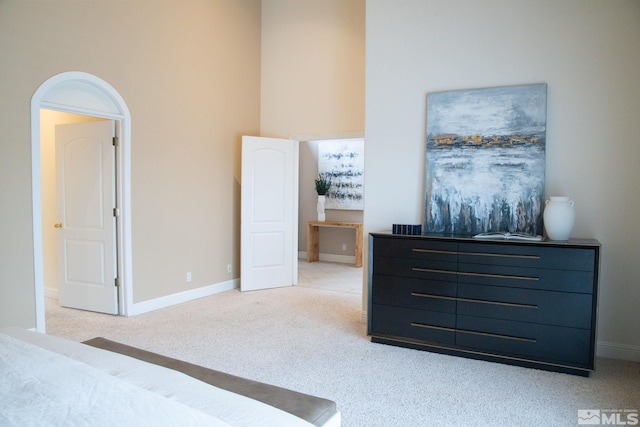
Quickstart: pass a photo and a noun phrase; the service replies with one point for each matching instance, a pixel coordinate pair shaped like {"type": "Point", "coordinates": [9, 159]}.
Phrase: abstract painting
{"type": "Point", "coordinates": [343, 161]}
{"type": "Point", "coordinates": [486, 160]}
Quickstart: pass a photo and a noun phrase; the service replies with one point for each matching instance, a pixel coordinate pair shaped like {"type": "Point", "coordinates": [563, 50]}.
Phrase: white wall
{"type": "Point", "coordinates": [312, 68]}
{"type": "Point", "coordinates": [189, 73]}
{"type": "Point", "coordinates": [313, 88]}
{"type": "Point", "coordinates": [587, 51]}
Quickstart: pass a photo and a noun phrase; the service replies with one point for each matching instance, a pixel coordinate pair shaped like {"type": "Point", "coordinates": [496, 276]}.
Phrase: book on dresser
{"type": "Point", "coordinates": [520, 302]}
{"type": "Point", "coordinates": [509, 236]}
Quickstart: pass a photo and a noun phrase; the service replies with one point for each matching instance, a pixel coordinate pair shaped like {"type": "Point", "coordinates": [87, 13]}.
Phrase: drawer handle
{"type": "Point", "coordinates": [499, 276]}
{"type": "Point", "coordinates": [440, 328]}
{"type": "Point", "coordinates": [487, 334]}
{"type": "Point", "coordinates": [459, 273]}
{"type": "Point", "coordinates": [430, 270]}
{"type": "Point", "coordinates": [501, 255]}
{"type": "Point", "coordinates": [421, 295]}
{"type": "Point", "coordinates": [508, 304]}
{"type": "Point", "coordinates": [433, 251]}
{"type": "Point", "coordinates": [479, 301]}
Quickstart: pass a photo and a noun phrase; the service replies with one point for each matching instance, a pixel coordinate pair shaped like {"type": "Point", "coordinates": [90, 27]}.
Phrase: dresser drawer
{"type": "Point", "coordinates": [553, 344]}
{"type": "Point", "coordinates": [427, 269]}
{"type": "Point", "coordinates": [525, 305]}
{"type": "Point", "coordinates": [561, 258]}
{"type": "Point", "coordinates": [431, 295]}
{"type": "Point", "coordinates": [415, 324]}
{"type": "Point", "coordinates": [416, 248]}
{"type": "Point", "coordinates": [527, 277]}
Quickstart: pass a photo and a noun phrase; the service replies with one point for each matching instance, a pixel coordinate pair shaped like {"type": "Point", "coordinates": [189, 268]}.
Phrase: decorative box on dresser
{"type": "Point", "coordinates": [524, 303]}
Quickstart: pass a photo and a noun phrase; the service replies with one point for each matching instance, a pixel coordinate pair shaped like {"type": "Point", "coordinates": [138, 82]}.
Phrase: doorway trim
{"type": "Point", "coordinates": [82, 93]}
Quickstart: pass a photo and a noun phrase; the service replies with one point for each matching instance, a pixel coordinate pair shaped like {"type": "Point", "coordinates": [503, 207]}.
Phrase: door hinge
{"type": "Point", "coordinates": [116, 212]}
{"type": "Point", "coordinates": [116, 141]}
{"type": "Point", "coordinates": [117, 282]}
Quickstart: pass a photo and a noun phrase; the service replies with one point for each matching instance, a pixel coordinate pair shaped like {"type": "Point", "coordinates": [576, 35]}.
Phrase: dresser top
{"type": "Point", "coordinates": [512, 241]}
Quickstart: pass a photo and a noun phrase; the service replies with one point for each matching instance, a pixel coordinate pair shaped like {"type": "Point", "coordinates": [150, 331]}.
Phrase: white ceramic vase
{"type": "Point", "coordinates": [320, 207]}
{"type": "Point", "coordinates": [559, 217]}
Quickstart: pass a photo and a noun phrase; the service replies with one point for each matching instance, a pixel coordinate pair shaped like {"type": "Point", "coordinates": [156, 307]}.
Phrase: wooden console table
{"type": "Point", "coordinates": [313, 238]}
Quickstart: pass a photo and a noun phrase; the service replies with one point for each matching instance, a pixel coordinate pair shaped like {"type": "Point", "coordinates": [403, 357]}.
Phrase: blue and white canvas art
{"type": "Point", "coordinates": [343, 161]}
{"type": "Point", "coordinates": [486, 160]}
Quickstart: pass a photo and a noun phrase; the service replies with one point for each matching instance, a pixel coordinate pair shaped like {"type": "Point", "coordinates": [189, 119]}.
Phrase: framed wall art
{"type": "Point", "coordinates": [486, 160]}
{"type": "Point", "coordinates": [343, 161]}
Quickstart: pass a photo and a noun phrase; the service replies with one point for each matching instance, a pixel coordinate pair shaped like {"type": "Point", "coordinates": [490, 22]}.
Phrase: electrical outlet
{"type": "Point", "coordinates": [229, 268]}
{"type": "Point", "coordinates": [344, 246]}
{"type": "Point", "coordinates": [188, 277]}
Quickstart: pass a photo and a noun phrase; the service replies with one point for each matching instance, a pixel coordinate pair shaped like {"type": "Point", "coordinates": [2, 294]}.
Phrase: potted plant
{"type": "Point", "coordinates": [323, 184]}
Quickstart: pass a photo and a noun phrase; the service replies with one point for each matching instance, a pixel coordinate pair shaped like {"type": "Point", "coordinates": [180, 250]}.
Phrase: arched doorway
{"type": "Point", "coordinates": [83, 93]}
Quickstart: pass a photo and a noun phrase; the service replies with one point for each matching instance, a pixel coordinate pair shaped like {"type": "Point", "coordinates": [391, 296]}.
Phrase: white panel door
{"type": "Point", "coordinates": [85, 173]}
{"type": "Point", "coordinates": [269, 219]}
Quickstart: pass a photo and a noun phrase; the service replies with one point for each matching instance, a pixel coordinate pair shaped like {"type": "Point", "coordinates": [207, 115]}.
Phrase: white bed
{"type": "Point", "coordinates": [52, 381]}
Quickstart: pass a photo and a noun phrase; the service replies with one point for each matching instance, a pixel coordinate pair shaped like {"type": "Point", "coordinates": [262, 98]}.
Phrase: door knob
{"type": "Point", "coordinates": [58, 225]}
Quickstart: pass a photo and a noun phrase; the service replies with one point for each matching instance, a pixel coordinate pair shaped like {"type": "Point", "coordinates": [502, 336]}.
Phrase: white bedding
{"type": "Point", "coordinates": [49, 381]}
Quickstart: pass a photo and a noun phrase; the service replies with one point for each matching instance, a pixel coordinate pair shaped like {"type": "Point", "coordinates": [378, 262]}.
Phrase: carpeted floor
{"type": "Point", "coordinates": [310, 338]}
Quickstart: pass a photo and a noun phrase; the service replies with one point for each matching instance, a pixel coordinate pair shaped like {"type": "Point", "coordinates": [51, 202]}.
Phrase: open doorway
{"type": "Point", "coordinates": [87, 95]}
{"type": "Point", "coordinates": [336, 244]}
{"type": "Point", "coordinates": [78, 210]}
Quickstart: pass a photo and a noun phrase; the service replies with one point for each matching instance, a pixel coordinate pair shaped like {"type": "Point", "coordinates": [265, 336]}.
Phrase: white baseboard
{"type": "Point", "coordinates": [179, 298]}
{"type": "Point", "coordinates": [169, 300]}
{"type": "Point", "coordinates": [51, 293]}
{"type": "Point", "coordinates": [343, 259]}
{"type": "Point", "coordinates": [618, 351]}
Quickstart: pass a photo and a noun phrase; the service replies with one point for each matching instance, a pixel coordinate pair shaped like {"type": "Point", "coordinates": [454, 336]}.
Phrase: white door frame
{"type": "Point", "coordinates": [83, 93]}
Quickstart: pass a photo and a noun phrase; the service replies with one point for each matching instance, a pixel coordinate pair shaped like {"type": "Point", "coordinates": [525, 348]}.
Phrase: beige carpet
{"type": "Point", "coordinates": [309, 338]}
